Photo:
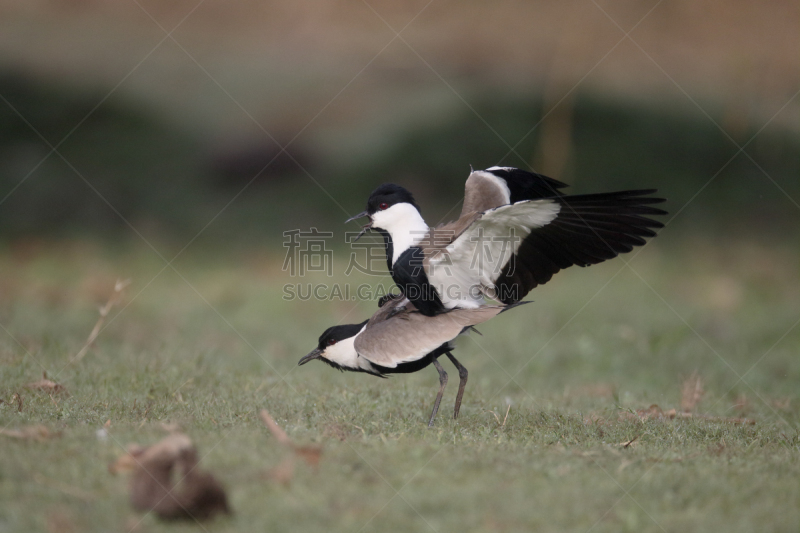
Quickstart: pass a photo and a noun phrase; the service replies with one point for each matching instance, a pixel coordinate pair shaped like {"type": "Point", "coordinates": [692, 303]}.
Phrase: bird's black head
{"type": "Point", "coordinates": [334, 334]}
{"type": "Point", "coordinates": [326, 349]}
{"type": "Point", "coordinates": [388, 195]}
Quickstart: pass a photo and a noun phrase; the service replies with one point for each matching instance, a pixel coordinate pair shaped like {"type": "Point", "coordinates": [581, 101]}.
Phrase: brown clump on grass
{"type": "Point", "coordinates": [196, 494]}
{"type": "Point", "coordinates": [691, 394]}
{"type": "Point", "coordinates": [655, 412]}
{"type": "Point", "coordinates": [47, 385]}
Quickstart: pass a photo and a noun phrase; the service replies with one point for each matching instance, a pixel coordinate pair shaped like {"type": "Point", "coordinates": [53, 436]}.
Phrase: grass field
{"type": "Point", "coordinates": [209, 343]}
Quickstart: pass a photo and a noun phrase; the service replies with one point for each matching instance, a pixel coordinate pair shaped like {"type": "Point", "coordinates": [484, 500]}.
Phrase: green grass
{"type": "Point", "coordinates": [212, 346]}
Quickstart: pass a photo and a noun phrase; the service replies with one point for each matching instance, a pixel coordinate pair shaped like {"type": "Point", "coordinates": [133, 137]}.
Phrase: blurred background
{"type": "Point", "coordinates": [172, 143]}
{"type": "Point", "coordinates": [167, 121]}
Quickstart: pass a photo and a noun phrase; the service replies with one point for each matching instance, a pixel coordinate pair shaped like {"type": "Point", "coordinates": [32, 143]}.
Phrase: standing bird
{"type": "Point", "coordinates": [516, 230]}
{"type": "Point", "coordinates": [398, 339]}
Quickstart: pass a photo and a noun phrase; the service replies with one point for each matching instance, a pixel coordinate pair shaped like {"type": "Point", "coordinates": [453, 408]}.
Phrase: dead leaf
{"type": "Point", "coordinates": [46, 385]}
{"type": "Point", "coordinates": [36, 432]}
{"type": "Point", "coordinates": [655, 412]}
{"type": "Point", "coordinates": [630, 443]}
{"type": "Point", "coordinates": [17, 398]}
{"type": "Point", "coordinates": [691, 392]}
{"type": "Point", "coordinates": [310, 454]}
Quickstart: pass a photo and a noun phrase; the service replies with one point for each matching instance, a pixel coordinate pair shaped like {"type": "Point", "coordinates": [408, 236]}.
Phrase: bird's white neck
{"type": "Point", "coordinates": [404, 224]}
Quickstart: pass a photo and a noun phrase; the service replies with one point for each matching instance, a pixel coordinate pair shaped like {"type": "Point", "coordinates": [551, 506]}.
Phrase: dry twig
{"type": "Point", "coordinates": [284, 472]}
{"type": "Point", "coordinates": [119, 286]}
{"type": "Point", "coordinates": [691, 393]}
{"type": "Point", "coordinates": [36, 432]}
{"type": "Point", "coordinates": [503, 423]}
{"type": "Point", "coordinates": [275, 429]}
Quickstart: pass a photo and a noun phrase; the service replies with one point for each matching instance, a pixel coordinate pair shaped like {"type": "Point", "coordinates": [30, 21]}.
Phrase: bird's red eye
{"type": "Point", "coordinates": [383, 205]}
{"type": "Point", "coordinates": [331, 342]}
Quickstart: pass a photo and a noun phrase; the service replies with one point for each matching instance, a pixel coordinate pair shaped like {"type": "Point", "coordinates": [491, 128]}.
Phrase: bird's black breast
{"type": "Point", "coordinates": [410, 276]}
{"type": "Point", "coordinates": [387, 243]}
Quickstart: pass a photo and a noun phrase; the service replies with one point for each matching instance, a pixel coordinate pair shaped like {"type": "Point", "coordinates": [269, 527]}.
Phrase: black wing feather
{"type": "Point", "coordinates": [589, 229]}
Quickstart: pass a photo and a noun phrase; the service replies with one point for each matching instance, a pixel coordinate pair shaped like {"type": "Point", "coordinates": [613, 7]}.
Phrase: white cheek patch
{"type": "Point", "coordinates": [404, 224]}
{"type": "Point", "coordinates": [344, 354]}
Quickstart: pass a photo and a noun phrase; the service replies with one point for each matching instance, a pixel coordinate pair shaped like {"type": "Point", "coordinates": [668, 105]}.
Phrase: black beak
{"type": "Point", "coordinates": [360, 215]}
{"type": "Point", "coordinates": [365, 229]}
{"type": "Point", "coordinates": [315, 354]}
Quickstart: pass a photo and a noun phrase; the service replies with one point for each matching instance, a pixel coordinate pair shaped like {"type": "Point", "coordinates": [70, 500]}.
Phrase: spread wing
{"type": "Point", "coordinates": [507, 251]}
{"type": "Point", "coordinates": [589, 229]}
{"type": "Point", "coordinates": [469, 265]}
{"type": "Point", "coordinates": [409, 335]}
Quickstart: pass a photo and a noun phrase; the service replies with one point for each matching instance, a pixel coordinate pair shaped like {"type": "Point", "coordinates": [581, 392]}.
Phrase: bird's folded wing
{"type": "Point", "coordinates": [496, 186]}
{"type": "Point", "coordinates": [483, 191]}
{"type": "Point", "coordinates": [409, 336]}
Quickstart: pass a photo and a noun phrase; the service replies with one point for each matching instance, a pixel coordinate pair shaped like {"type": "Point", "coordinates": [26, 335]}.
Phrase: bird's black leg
{"type": "Point", "coordinates": [442, 385]}
{"type": "Point", "coordinates": [462, 374]}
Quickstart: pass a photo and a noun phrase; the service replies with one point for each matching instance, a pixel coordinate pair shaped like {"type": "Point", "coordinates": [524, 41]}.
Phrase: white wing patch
{"type": "Point", "coordinates": [469, 266]}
